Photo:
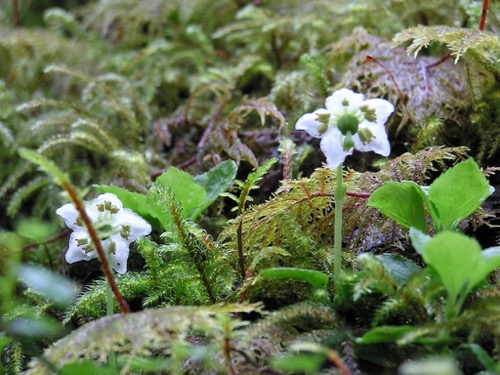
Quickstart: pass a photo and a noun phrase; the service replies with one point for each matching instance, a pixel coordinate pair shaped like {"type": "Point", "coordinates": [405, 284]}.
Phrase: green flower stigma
{"type": "Point", "coordinates": [348, 123]}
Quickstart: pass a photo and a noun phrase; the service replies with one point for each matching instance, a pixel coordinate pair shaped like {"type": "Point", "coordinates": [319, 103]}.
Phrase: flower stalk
{"type": "Point", "coordinates": [348, 122]}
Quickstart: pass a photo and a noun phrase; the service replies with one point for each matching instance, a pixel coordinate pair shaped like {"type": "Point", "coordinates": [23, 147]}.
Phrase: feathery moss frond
{"type": "Point", "coordinates": [139, 334]}
{"type": "Point", "coordinates": [458, 40]}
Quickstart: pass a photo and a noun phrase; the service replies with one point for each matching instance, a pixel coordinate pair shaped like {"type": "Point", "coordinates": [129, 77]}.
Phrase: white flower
{"type": "Point", "coordinates": [349, 122]}
{"type": "Point", "coordinates": [116, 226]}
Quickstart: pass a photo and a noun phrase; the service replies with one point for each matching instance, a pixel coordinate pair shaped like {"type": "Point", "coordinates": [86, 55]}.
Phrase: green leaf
{"type": "Point", "coordinates": [459, 192]}
{"type": "Point", "coordinates": [185, 189]}
{"type": "Point", "coordinates": [215, 182]}
{"type": "Point", "coordinates": [57, 288]}
{"type": "Point", "coordinates": [317, 279]}
{"type": "Point", "coordinates": [419, 240]}
{"type": "Point", "coordinates": [403, 202]}
{"type": "Point", "coordinates": [139, 204]}
{"type": "Point", "coordinates": [46, 165]}
{"type": "Point", "coordinates": [309, 363]}
{"type": "Point", "coordinates": [459, 262]}
{"type": "Point", "coordinates": [85, 367]}
{"type": "Point", "coordinates": [35, 229]}
{"type": "Point", "coordinates": [385, 334]}
{"type": "Point", "coordinates": [398, 266]}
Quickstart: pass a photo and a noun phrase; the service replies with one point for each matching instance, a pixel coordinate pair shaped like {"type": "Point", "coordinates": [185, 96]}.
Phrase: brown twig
{"type": "Point", "coordinates": [335, 358]}
{"type": "Point", "coordinates": [17, 13]}
{"type": "Point", "coordinates": [358, 195]}
{"type": "Point", "coordinates": [393, 79]}
{"type": "Point", "coordinates": [437, 63]}
{"type": "Point", "coordinates": [484, 13]}
{"type": "Point", "coordinates": [98, 246]}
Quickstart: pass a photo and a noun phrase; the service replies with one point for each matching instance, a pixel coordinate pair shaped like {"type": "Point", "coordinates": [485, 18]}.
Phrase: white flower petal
{"type": "Point", "coordinates": [383, 109]}
{"type": "Point", "coordinates": [139, 226]}
{"type": "Point", "coordinates": [379, 144]}
{"type": "Point", "coordinates": [309, 122]}
{"type": "Point", "coordinates": [76, 253]}
{"type": "Point", "coordinates": [331, 145]}
{"type": "Point", "coordinates": [70, 214]}
{"type": "Point", "coordinates": [118, 260]}
{"type": "Point", "coordinates": [335, 102]}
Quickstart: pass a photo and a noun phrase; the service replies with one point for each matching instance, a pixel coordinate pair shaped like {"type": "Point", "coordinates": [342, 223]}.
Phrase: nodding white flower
{"type": "Point", "coordinates": [117, 227]}
{"type": "Point", "coordinates": [349, 122]}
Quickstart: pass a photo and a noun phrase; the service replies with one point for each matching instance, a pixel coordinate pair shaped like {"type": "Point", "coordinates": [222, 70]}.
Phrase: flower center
{"type": "Point", "coordinates": [348, 123]}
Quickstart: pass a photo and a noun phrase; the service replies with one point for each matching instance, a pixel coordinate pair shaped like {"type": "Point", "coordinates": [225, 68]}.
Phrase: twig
{"type": "Point", "coordinates": [437, 63]}
{"type": "Point", "coordinates": [98, 246]}
{"type": "Point", "coordinates": [335, 358]}
{"type": "Point", "coordinates": [17, 13]}
{"type": "Point", "coordinates": [391, 76]}
{"type": "Point", "coordinates": [484, 13]}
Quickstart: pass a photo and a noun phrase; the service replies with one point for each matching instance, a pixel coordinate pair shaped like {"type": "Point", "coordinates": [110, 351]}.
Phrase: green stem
{"type": "Point", "coordinates": [337, 250]}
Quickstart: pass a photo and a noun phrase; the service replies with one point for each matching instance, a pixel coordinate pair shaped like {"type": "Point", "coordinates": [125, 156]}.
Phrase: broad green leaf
{"type": "Point", "coordinates": [46, 165]}
{"type": "Point", "coordinates": [85, 367]}
{"type": "Point", "coordinates": [401, 201]}
{"type": "Point", "coordinates": [459, 192]}
{"type": "Point", "coordinates": [35, 229]}
{"type": "Point", "coordinates": [385, 334]}
{"type": "Point", "coordinates": [58, 289]}
{"type": "Point", "coordinates": [399, 267]}
{"type": "Point", "coordinates": [419, 240]}
{"type": "Point", "coordinates": [459, 262]}
{"type": "Point", "coordinates": [185, 190]}
{"type": "Point", "coordinates": [158, 200]}
{"type": "Point", "coordinates": [215, 182]}
{"type": "Point", "coordinates": [309, 363]}
{"type": "Point", "coordinates": [139, 204]}
{"type": "Point", "coordinates": [317, 279]}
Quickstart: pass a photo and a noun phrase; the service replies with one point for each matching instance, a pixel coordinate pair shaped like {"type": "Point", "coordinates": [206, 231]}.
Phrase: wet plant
{"type": "Point", "coordinates": [188, 138]}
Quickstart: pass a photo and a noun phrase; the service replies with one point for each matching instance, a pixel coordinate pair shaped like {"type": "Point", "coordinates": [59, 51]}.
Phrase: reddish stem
{"type": "Point", "coordinates": [484, 13]}
{"type": "Point", "coordinates": [393, 79]}
{"type": "Point", "coordinates": [17, 13]}
{"type": "Point", "coordinates": [335, 358]}
{"type": "Point", "coordinates": [437, 63]}
{"type": "Point", "coordinates": [358, 195]}
{"type": "Point", "coordinates": [98, 246]}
